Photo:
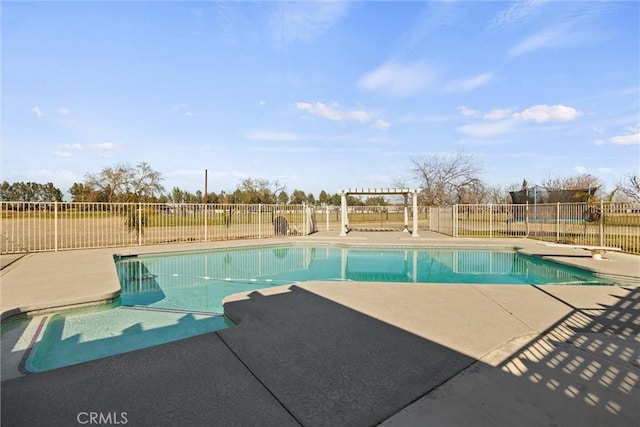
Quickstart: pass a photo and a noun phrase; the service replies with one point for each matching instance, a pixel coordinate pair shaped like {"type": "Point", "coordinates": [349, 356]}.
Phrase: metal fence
{"type": "Point", "coordinates": [37, 226]}
{"type": "Point", "coordinates": [600, 224]}
{"type": "Point", "coordinates": [41, 226]}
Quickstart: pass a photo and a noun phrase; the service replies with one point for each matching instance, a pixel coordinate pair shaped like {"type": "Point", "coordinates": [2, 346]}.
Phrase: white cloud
{"type": "Point", "coordinates": [65, 150]}
{"type": "Point", "coordinates": [468, 84]}
{"type": "Point", "coordinates": [546, 113]}
{"type": "Point", "coordinates": [499, 121]}
{"type": "Point", "coordinates": [546, 38]}
{"type": "Point", "coordinates": [467, 112]}
{"type": "Point", "coordinates": [267, 135]}
{"type": "Point", "coordinates": [333, 112]}
{"type": "Point", "coordinates": [381, 125]}
{"type": "Point", "coordinates": [605, 170]}
{"type": "Point", "coordinates": [562, 35]}
{"type": "Point", "coordinates": [628, 139]}
{"type": "Point", "coordinates": [398, 79]}
{"type": "Point", "coordinates": [517, 13]}
{"type": "Point", "coordinates": [358, 115]}
{"type": "Point", "coordinates": [104, 149]}
{"type": "Point", "coordinates": [103, 146]}
{"type": "Point", "coordinates": [303, 22]}
{"type": "Point", "coordinates": [485, 129]}
{"type": "Point", "coordinates": [37, 111]}
{"type": "Point", "coordinates": [497, 114]}
{"type": "Point", "coordinates": [63, 111]}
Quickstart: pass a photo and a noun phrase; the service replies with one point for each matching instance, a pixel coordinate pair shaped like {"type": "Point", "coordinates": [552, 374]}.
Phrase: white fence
{"type": "Point", "coordinates": [35, 227]}
{"type": "Point", "coordinates": [601, 224]}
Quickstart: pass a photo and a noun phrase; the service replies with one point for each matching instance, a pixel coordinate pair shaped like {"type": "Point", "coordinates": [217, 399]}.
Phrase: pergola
{"type": "Point", "coordinates": [381, 192]}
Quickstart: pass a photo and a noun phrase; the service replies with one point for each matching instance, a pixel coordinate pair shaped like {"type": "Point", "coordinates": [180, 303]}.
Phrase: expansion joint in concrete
{"type": "Point", "coordinates": [257, 378]}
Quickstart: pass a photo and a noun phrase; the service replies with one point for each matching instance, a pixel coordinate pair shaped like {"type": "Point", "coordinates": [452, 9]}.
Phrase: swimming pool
{"type": "Point", "coordinates": [200, 280]}
{"type": "Point", "coordinates": [173, 296]}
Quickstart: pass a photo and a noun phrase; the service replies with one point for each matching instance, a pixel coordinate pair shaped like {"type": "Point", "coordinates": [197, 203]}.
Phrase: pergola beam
{"type": "Point", "coordinates": [378, 191]}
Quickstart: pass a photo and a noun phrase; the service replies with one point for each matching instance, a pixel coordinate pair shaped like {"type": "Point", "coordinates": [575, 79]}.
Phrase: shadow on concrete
{"type": "Point", "coordinates": [590, 357]}
{"type": "Point", "coordinates": [193, 382]}
{"type": "Point", "coordinates": [584, 370]}
{"type": "Point", "coordinates": [331, 365]}
{"type": "Point", "coordinates": [298, 358]}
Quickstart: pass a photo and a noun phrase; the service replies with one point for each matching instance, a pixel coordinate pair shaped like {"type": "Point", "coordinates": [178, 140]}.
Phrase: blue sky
{"type": "Point", "coordinates": [319, 95]}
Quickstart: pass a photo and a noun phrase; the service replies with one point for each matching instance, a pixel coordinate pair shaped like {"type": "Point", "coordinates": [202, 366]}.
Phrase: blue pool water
{"type": "Point", "coordinates": [170, 297]}
{"type": "Point", "coordinates": [200, 280]}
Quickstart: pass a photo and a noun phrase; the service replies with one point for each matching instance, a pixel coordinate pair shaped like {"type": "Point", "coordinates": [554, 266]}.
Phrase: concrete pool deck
{"type": "Point", "coordinates": [333, 353]}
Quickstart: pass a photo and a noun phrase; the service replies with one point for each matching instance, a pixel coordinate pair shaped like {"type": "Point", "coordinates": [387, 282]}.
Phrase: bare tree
{"type": "Point", "coordinates": [107, 184]}
{"type": "Point", "coordinates": [578, 182]}
{"type": "Point", "coordinates": [495, 194]}
{"type": "Point", "coordinates": [399, 182]}
{"type": "Point", "coordinates": [580, 188]}
{"type": "Point", "coordinates": [630, 187]}
{"type": "Point", "coordinates": [255, 191]}
{"type": "Point", "coordinates": [124, 183]}
{"type": "Point", "coordinates": [448, 179]}
{"type": "Point", "coordinates": [144, 182]}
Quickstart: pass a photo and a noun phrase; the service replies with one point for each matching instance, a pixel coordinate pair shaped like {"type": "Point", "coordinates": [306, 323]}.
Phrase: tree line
{"type": "Point", "coordinates": [442, 180]}
{"type": "Point", "coordinates": [30, 192]}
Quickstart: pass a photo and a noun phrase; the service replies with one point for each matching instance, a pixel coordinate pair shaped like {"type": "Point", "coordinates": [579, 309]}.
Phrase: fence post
{"type": "Point", "coordinates": [305, 218]}
{"type": "Point", "coordinates": [260, 221]}
{"type": "Point", "coordinates": [55, 226]}
{"type": "Point", "coordinates": [490, 220]}
{"type": "Point", "coordinates": [206, 231]}
{"type": "Point", "coordinates": [602, 240]}
{"type": "Point", "coordinates": [454, 214]}
{"type": "Point", "coordinates": [557, 221]}
{"type": "Point", "coordinates": [139, 224]}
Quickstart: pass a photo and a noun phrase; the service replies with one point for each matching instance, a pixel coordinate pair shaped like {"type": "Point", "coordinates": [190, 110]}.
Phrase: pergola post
{"type": "Point", "coordinates": [343, 210]}
{"type": "Point", "coordinates": [344, 225]}
{"type": "Point", "coordinates": [406, 214]}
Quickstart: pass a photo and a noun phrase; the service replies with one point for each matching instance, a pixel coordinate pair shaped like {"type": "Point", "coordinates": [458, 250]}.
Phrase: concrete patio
{"type": "Point", "coordinates": [356, 354]}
